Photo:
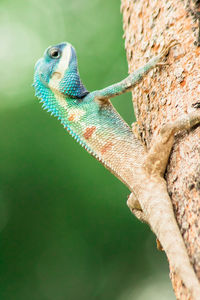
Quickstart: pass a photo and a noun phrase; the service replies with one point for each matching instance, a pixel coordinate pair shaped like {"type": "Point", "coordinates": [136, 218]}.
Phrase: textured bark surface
{"type": "Point", "coordinates": [163, 95]}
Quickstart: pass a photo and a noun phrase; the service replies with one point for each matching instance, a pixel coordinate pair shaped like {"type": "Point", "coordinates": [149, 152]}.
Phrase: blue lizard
{"type": "Point", "coordinates": [92, 120]}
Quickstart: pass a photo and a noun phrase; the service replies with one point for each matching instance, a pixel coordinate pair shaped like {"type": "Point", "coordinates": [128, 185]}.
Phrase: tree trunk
{"type": "Point", "coordinates": [165, 94]}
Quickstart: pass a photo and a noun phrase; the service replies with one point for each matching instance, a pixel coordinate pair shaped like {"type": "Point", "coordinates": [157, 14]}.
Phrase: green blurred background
{"type": "Point", "coordinates": [65, 230]}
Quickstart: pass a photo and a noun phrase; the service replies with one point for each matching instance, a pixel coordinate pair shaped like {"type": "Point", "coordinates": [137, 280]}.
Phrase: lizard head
{"type": "Point", "coordinates": [57, 71]}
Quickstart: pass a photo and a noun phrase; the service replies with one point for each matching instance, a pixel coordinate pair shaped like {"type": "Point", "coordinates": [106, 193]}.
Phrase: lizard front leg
{"type": "Point", "coordinates": [129, 82]}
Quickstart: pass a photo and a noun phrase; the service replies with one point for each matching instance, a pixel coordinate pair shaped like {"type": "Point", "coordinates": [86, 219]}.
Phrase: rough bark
{"type": "Point", "coordinates": [166, 94]}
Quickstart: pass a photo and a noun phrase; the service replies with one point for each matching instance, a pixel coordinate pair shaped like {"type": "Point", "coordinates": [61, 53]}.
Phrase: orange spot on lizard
{"type": "Point", "coordinates": [106, 147]}
{"type": "Point", "coordinates": [89, 131]}
{"type": "Point", "coordinates": [71, 117]}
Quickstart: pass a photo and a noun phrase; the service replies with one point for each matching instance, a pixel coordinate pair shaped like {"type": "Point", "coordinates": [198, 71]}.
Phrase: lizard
{"type": "Point", "coordinates": [93, 121]}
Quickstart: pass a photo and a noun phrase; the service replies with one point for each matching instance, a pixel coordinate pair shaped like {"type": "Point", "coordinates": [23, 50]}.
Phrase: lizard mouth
{"type": "Point", "coordinates": [39, 71]}
{"type": "Point", "coordinates": [43, 80]}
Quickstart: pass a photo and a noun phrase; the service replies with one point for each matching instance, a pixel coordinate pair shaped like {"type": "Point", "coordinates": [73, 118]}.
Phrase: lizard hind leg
{"type": "Point", "coordinates": [135, 208]}
{"type": "Point", "coordinates": [157, 157]}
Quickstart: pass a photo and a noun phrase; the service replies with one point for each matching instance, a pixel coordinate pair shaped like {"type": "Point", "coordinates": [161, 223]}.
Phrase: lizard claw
{"type": "Point", "coordinates": [166, 48]}
{"type": "Point", "coordinates": [162, 64]}
{"type": "Point", "coordinates": [196, 105]}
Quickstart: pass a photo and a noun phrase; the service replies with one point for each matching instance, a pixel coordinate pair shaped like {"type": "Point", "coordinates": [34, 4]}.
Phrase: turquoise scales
{"type": "Point", "coordinates": [93, 122]}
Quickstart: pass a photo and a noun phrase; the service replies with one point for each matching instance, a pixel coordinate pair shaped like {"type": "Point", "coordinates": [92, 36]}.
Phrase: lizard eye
{"type": "Point", "coordinates": [54, 53]}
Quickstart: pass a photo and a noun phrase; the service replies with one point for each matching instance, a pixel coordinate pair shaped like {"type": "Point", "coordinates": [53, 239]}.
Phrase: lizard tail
{"type": "Point", "coordinates": [156, 205]}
